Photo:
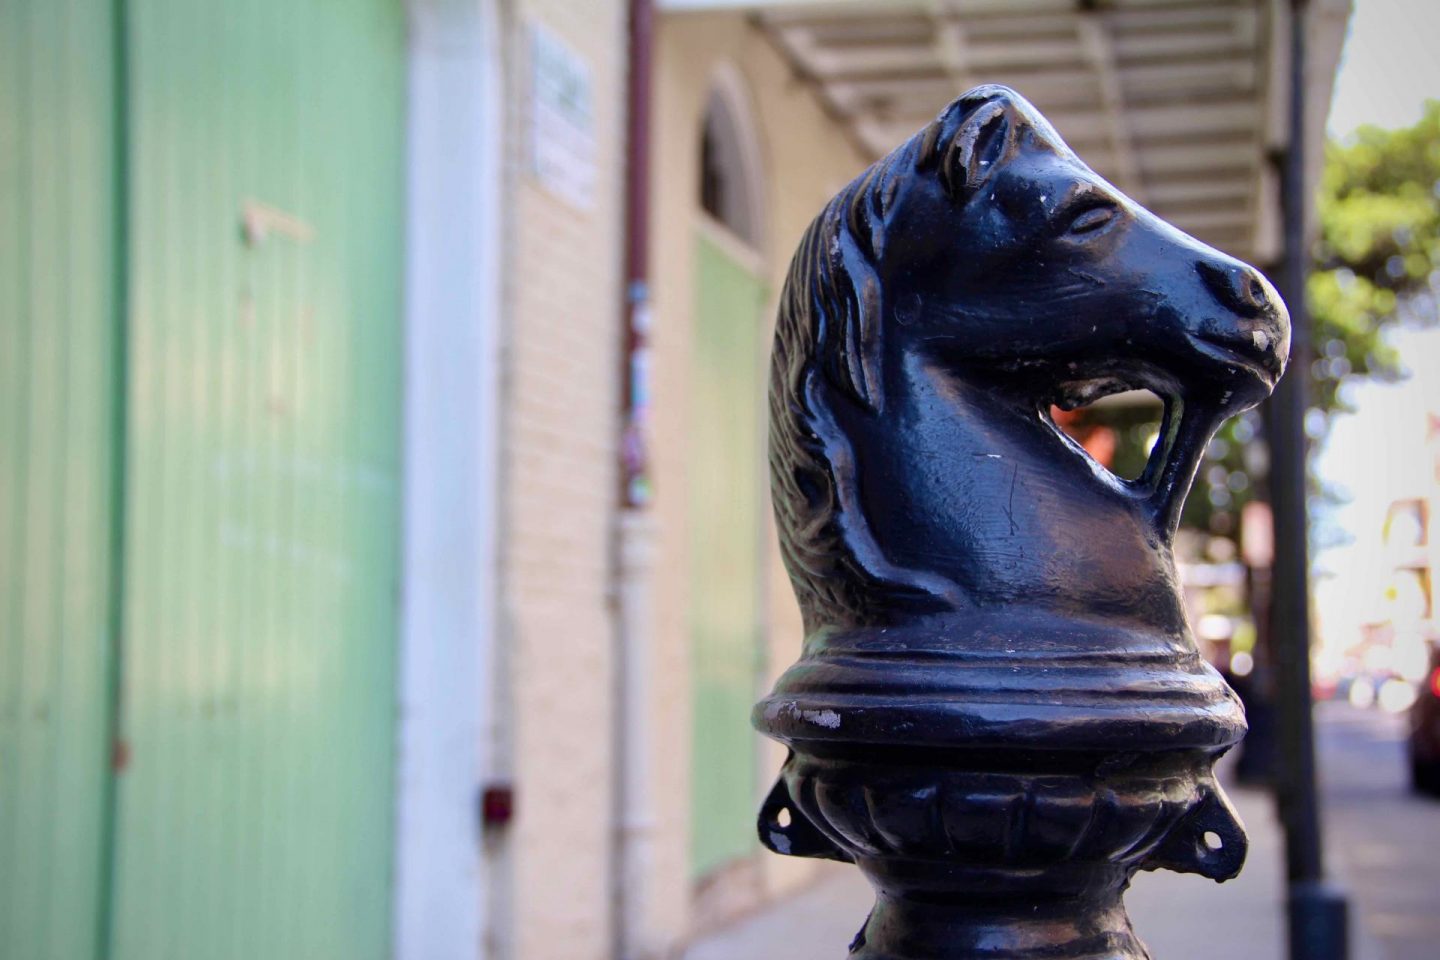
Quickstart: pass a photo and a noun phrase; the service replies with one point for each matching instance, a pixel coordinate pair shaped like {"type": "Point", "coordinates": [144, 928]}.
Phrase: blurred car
{"type": "Point", "coordinates": [1425, 731]}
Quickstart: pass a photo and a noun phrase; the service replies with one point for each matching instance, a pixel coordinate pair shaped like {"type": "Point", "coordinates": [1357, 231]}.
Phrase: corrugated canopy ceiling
{"type": "Point", "coordinates": [1171, 100]}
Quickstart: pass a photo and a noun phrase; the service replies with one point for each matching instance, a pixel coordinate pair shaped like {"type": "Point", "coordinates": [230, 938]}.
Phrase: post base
{"type": "Point", "coordinates": [1000, 927]}
{"type": "Point", "coordinates": [1000, 779]}
{"type": "Point", "coordinates": [1319, 922]}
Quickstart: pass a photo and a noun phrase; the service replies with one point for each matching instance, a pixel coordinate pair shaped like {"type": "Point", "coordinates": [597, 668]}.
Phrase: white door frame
{"type": "Point", "coordinates": [446, 719]}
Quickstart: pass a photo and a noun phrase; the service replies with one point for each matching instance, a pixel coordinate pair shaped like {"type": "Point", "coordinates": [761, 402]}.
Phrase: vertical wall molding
{"type": "Point", "coordinates": [448, 611]}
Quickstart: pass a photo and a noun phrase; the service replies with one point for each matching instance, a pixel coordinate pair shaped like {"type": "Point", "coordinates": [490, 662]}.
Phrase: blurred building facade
{"type": "Point", "coordinates": [1399, 646]}
{"type": "Point", "coordinates": [330, 627]}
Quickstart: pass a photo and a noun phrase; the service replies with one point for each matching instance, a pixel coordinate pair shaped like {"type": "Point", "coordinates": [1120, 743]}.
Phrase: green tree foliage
{"type": "Point", "coordinates": [1378, 250]}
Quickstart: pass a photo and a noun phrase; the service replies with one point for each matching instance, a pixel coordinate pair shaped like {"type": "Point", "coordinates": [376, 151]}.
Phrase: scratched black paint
{"type": "Point", "coordinates": [1000, 712]}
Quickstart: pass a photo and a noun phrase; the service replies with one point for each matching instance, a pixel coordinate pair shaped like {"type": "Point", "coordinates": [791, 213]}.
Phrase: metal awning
{"type": "Point", "coordinates": [1165, 100]}
{"type": "Point", "coordinates": [1179, 103]}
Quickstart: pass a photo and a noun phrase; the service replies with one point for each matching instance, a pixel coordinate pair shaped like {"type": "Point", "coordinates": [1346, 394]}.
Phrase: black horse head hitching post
{"type": "Point", "coordinates": [1000, 713]}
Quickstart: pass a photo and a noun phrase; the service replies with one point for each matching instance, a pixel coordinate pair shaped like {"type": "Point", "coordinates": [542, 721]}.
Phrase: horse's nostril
{"type": "Point", "coordinates": [1236, 286]}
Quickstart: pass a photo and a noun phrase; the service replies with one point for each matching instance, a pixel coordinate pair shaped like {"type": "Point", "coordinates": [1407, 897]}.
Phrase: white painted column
{"type": "Point", "coordinates": [448, 605]}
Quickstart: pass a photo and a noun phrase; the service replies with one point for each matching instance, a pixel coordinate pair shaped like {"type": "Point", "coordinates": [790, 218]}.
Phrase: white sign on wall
{"type": "Point", "coordinates": [562, 118]}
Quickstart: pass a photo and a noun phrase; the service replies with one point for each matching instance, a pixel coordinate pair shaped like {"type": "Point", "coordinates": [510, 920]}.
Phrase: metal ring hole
{"type": "Point", "coordinates": [1212, 840]}
{"type": "Point", "coordinates": [782, 817]}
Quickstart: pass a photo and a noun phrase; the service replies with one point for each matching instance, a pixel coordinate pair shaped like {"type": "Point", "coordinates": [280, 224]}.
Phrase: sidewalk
{"type": "Point", "coordinates": [1179, 916]}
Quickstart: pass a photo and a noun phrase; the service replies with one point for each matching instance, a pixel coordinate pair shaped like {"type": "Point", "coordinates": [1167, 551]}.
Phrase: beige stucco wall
{"type": "Point", "coordinates": [803, 157]}
{"type": "Point", "coordinates": [551, 884]}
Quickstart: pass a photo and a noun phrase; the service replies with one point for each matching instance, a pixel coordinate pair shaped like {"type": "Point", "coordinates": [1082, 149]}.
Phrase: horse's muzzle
{"type": "Point", "coordinates": [1256, 333]}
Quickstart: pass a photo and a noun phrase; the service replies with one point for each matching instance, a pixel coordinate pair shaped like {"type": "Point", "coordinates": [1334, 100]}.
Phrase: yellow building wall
{"type": "Point", "coordinates": [804, 159]}
{"type": "Point", "coordinates": [552, 892]}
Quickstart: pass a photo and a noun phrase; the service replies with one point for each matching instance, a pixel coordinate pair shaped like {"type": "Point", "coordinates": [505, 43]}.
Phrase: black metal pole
{"type": "Point", "coordinates": [1317, 910]}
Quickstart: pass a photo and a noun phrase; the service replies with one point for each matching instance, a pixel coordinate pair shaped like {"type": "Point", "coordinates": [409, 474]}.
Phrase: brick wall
{"type": "Point", "coordinates": [561, 358]}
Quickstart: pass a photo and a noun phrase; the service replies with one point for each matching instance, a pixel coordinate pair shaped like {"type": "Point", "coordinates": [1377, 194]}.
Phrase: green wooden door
{"type": "Point", "coordinates": [257, 692]}
{"type": "Point", "coordinates": [59, 316]}
{"type": "Point", "coordinates": [725, 481]}
{"type": "Point", "coordinates": [251, 463]}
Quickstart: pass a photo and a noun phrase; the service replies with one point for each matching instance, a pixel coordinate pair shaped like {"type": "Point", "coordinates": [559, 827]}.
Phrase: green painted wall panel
{"type": "Point", "coordinates": [726, 527]}
{"type": "Point", "coordinates": [257, 695]}
{"type": "Point", "coordinates": [58, 325]}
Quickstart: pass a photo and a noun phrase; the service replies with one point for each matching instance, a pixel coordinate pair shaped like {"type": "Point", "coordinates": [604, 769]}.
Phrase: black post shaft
{"type": "Point", "coordinates": [1317, 911]}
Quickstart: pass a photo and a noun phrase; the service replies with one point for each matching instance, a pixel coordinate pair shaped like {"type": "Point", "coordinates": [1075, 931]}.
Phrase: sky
{"type": "Point", "coordinates": [1390, 66]}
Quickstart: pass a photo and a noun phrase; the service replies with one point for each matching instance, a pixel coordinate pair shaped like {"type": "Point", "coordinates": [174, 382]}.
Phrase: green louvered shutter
{"type": "Point", "coordinates": [59, 346]}
{"type": "Point", "coordinates": [254, 817]}
{"type": "Point", "coordinates": [726, 526]}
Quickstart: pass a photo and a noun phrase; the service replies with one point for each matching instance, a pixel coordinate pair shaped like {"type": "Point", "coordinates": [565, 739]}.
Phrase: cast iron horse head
{"type": "Point", "coordinates": [1000, 713]}
{"type": "Point", "coordinates": [934, 312]}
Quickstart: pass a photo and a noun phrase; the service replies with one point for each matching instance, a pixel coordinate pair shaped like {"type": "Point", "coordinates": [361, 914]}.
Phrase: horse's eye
{"type": "Point", "coordinates": [1091, 219]}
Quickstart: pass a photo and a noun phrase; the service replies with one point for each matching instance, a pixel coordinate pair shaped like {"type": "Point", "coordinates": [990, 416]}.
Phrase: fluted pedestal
{"type": "Point", "coordinates": [999, 801]}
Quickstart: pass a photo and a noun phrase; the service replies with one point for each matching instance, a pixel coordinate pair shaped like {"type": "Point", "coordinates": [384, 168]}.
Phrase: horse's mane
{"type": "Point", "coordinates": [827, 345]}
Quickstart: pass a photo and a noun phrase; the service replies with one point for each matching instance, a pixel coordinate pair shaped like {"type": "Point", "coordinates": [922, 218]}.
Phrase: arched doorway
{"type": "Point", "coordinates": [727, 464]}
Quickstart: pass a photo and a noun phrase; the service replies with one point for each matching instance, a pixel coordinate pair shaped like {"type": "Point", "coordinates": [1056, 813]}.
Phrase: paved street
{"type": "Point", "coordinates": [1384, 840]}
{"type": "Point", "coordinates": [1384, 848]}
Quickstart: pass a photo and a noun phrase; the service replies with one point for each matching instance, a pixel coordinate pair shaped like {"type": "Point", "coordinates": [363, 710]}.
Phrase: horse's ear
{"type": "Point", "coordinates": [970, 140]}
{"type": "Point", "coordinates": [980, 144]}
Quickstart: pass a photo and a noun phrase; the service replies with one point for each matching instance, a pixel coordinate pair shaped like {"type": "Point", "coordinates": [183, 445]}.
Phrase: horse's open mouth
{"type": "Point", "coordinates": [1074, 394]}
{"type": "Point", "coordinates": [1241, 373]}
{"type": "Point", "coordinates": [1156, 397]}
{"type": "Point", "coordinates": [1184, 428]}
